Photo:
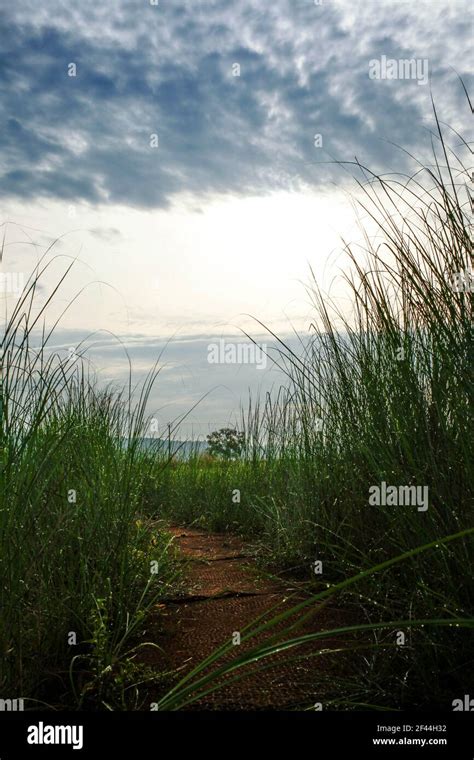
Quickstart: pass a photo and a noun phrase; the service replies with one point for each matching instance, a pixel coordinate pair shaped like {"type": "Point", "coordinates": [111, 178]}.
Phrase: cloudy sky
{"type": "Point", "coordinates": [183, 151]}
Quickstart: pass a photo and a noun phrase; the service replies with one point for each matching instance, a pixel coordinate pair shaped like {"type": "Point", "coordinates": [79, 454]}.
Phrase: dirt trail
{"type": "Point", "coordinates": [225, 592]}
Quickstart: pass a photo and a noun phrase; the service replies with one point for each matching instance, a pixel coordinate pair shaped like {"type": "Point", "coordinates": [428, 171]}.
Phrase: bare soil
{"type": "Point", "coordinates": [225, 591]}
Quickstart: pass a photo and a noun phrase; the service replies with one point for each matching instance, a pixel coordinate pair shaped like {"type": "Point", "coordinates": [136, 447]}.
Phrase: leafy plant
{"type": "Point", "coordinates": [226, 443]}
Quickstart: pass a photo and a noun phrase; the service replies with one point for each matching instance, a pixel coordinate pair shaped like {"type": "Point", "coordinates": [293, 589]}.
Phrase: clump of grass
{"type": "Point", "coordinates": [73, 479]}
{"type": "Point", "coordinates": [381, 392]}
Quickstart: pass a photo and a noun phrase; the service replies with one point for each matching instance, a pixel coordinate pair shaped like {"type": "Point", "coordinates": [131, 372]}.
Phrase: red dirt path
{"type": "Point", "coordinates": [225, 592]}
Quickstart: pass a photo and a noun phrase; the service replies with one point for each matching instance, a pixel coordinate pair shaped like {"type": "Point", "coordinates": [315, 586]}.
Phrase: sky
{"type": "Point", "coordinates": [186, 154]}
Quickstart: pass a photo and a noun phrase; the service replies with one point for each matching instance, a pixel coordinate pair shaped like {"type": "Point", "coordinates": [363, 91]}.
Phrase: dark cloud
{"type": "Point", "coordinates": [167, 70]}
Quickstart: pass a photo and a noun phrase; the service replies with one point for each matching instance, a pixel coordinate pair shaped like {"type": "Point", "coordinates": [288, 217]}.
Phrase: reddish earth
{"type": "Point", "coordinates": [225, 592]}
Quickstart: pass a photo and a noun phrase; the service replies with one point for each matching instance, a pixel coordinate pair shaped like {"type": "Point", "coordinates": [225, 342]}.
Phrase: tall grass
{"type": "Point", "coordinates": [75, 578]}
{"type": "Point", "coordinates": [381, 392]}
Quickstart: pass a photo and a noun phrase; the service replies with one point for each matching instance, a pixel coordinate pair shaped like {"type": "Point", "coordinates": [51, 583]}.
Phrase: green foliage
{"type": "Point", "coordinates": [226, 443]}
{"type": "Point", "coordinates": [72, 481]}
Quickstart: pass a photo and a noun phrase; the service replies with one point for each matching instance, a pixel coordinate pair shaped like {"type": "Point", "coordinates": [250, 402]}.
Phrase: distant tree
{"type": "Point", "coordinates": [226, 443]}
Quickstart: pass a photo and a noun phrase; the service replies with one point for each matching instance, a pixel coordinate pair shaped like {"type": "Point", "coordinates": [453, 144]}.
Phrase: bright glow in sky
{"type": "Point", "coordinates": [192, 269]}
